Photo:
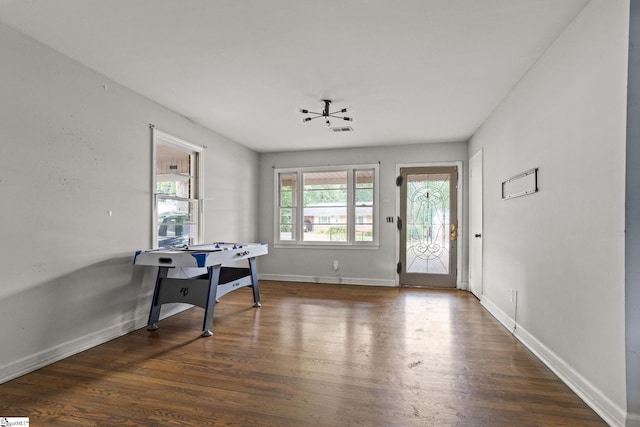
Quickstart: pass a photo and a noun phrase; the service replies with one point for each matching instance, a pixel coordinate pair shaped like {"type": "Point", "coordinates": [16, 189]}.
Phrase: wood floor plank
{"type": "Point", "coordinates": [312, 355]}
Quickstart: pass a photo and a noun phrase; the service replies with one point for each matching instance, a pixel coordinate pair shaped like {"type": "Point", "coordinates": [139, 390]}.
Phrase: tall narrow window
{"type": "Point", "coordinates": [177, 215]}
{"type": "Point", "coordinates": [364, 205]}
{"type": "Point", "coordinates": [287, 202]}
{"type": "Point", "coordinates": [325, 206]}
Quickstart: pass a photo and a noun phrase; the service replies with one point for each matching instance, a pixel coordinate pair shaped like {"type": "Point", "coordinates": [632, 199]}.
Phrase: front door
{"type": "Point", "coordinates": [428, 226]}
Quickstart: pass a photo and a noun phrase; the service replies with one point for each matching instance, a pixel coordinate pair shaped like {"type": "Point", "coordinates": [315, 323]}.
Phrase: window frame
{"type": "Point", "coordinates": [298, 220]}
{"type": "Point", "coordinates": [162, 138]}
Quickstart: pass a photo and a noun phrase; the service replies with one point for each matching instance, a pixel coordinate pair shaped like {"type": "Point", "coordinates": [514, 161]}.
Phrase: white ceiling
{"type": "Point", "coordinates": [411, 70]}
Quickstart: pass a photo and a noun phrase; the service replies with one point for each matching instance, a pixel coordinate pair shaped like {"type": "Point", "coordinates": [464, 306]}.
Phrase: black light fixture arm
{"type": "Point", "coordinates": [349, 119]}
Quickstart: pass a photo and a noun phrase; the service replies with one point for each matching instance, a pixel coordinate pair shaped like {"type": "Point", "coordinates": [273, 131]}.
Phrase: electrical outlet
{"type": "Point", "coordinates": [336, 265]}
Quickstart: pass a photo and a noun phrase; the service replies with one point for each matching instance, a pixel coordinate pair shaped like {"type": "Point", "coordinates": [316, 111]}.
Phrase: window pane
{"type": "Point", "coordinates": [364, 205]}
{"type": "Point", "coordinates": [288, 189]}
{"type": "Point", "coordinates": [288, 201]}
{"type": "Point", "coordinates": [177, 225]}
{"type": "Point", "coordinates": [325, 206]}
{"type": "Point", "coordinates": [287, 223]}
{"type": "Point", "coordinates": [327, 233]}
{"type": "Point", "coordinates": [325, 196]}
{"type": "Point", "coordinates": [364, 197]}
{"type": "Point", "coordinates": [364, 178]}
{"type": "Point", "coordinates": [364, 215]}
{"type": "Point", "coordinates": [364, 232]}
{"type": "Point", "coordinates": [326, 214]}
{"type": "Point", "coordinates": [364, 224]}
{"type": "Point", "coordinates": [325, 224]}
{"type": "Point", "coordinates": [325, 188]}
{"type": "Point", "coordinates": [173, 172]}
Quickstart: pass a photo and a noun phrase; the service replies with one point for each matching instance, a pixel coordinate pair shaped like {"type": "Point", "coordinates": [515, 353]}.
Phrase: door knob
{"type": "Point", "coordinates": [478, 235]}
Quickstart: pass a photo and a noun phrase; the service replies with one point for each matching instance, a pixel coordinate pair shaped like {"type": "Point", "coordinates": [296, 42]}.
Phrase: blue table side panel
{"type": "Point", "coordinates": [201, 259]}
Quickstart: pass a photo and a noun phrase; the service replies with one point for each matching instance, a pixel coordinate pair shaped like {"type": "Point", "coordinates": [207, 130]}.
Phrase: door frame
{"type": "Point", "coordinates": [476, 223]}
{"type": "Point", "coordinates": [460, 218]}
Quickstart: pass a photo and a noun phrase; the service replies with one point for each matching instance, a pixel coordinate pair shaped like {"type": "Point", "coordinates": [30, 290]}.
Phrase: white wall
{"type": "Point", "coordinates": [73, 146]}
{"type": "Point", "coordinates": [359, 266]}
{"type": "Point", "coordinates": [562, 249]}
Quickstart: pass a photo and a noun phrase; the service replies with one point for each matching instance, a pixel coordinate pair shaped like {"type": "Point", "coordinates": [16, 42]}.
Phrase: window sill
{"type": "Point", "coordinates": [295, 245]}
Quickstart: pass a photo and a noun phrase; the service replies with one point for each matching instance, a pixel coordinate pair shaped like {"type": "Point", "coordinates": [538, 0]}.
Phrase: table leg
{"type": "Point", "coordinates": [154, 314]}
{"type": "Point", "coordinates": [214, 280]}
{"type": "Point", "coordinates": [254, 282]}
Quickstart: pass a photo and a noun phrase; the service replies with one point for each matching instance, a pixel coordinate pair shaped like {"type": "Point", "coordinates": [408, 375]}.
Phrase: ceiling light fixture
{"type": "Point", "coordinates": [326, 114]}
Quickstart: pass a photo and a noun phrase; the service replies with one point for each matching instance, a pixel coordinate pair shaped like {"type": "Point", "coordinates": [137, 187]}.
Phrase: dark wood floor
{"type": "Point", "coordinates": [313, 355]}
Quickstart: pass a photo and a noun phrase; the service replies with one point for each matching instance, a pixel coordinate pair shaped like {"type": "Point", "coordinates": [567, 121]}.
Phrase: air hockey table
{"type": "Point", "coordinates": [202, 290]}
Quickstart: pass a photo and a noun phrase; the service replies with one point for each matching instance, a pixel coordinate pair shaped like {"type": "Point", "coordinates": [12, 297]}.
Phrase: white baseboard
{"type": "Point", "coordinates": [327, 279]}
{"type": "Point", "coordinates": [609, 411]}
{"type": "Point", "coordinates": [500, 315]}
{"type": "Point", "coordinates": [62, 351]}
{"type": "Point", "coordinates": [338, 280]}
{"type": "Point", "coordinates": [591, 395]}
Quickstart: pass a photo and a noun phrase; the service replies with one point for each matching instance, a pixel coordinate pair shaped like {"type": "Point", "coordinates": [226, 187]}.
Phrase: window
{"type": "Point", "coordinates": [325, 206]}
{"type": "Point", "coordinates": [339, 205]}
{"type": "Point", "coordinates": [177, 211]}
{"type": "Point", "coordinates": [287, 202]}
{"type": "Point", "coordinates": [364, 197]}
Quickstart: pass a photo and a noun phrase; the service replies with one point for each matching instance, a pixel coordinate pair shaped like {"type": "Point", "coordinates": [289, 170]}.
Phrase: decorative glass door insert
{"type": "Point", "coordinates": [428, 226]}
